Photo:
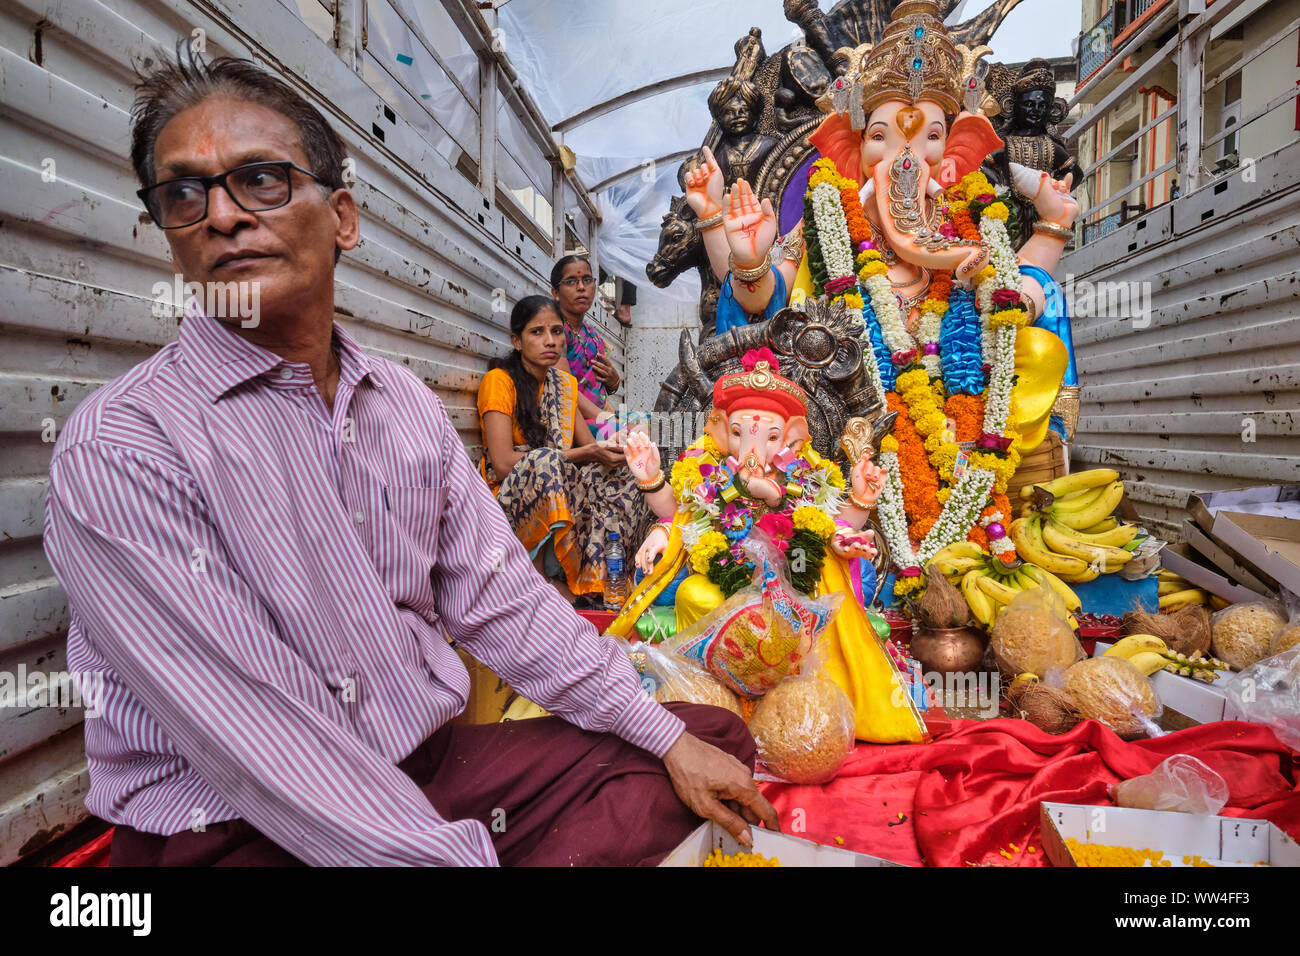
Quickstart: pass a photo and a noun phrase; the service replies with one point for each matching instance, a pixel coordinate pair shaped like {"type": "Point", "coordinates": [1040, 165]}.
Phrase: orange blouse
{"type": "Point", "coordinates": [496, 393]}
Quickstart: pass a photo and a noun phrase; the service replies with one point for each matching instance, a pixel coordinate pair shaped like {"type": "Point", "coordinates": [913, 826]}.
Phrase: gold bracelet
{"type": "Point", "coordinates": [710, 222]}
{"type": "Point", "coordinates": [853, 498]}
{"type": "Point", "coordinates": [654, 485]}
{"type": "Point", "coordinates": [1045, 227]}
{"type": "Point", "coordinates": [748, 275]}
{"type": "Point", "coordinates": [1031, 310]}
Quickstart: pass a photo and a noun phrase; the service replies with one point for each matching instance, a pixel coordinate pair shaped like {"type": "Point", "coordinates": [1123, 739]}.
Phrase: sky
{"type": "Point", "coordinates": [1043, 28]}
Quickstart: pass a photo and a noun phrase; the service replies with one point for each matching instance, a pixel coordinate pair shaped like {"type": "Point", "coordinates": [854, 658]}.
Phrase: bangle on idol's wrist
{"type": "Point", "coordinates": [654, 484]}
{"type": "Point", "coordinates": [1045, 227]}
{"type": "Point", "coordinates": [853, 499]}
{"type": "Point", "coordinates": [1031, 310]}
{"type": "Point", "coordinates": [749, 275]}
{"type": "Point", "coordinates": [710, 222]}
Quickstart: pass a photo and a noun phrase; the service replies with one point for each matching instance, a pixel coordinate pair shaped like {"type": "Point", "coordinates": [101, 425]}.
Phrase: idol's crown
{"type": "Point", "coordinates": [914, 61]}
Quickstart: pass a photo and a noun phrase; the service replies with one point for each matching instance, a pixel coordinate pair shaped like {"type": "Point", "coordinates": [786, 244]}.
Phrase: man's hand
{"type": "Point", "coordinates": [718, 787]}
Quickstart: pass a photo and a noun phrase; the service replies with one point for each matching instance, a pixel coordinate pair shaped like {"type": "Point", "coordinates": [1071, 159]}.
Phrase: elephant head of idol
{"type": "Point", "coordinates": [759, 419]}
{"type": "Point", "coordinates": [906, 122]}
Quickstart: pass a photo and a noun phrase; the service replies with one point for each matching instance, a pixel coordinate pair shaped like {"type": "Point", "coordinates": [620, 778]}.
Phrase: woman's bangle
{"type": "Point", "coordinates": [710, 222]}
{"type": "Point", "coordinates": [653, 485]}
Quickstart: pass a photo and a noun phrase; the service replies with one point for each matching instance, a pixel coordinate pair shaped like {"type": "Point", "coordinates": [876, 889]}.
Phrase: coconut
{"type": "Point", "coordinates": [941, 605]}
{"type": "Point", "coordinates": [804, 729]}
{"type": "Point", "coordinates": [1047, 708]}
{"type": "Point", "coordinates": [1285, 639]}
{"type": "Point", "coordinates": [694, 686]}
{"type": "Point", "coordinates": [1242, 634]}
{"type": "Point", "coordinates": [1186, 631]}
{"type": "Point", "coordinates": [1029, 636]}
{"type": "Point", "coordinates": [1113, 691]}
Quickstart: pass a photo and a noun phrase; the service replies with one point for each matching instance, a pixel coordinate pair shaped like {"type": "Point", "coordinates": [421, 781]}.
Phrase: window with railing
{"type": "Point", "coordinates": [1094, 47]}
{"type": "Point", "coordinates": [1143, 149]}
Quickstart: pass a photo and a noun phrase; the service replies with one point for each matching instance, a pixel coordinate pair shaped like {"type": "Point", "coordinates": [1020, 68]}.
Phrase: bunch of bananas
{"type": "Point", "coordinates": [1066, 526]}
{"type": "Point", "coordinates": [1176, 591]}
{"type": "Point", "coordinates": [988, 585]}
{"type": "Point", "coordinates": [1149, 654]}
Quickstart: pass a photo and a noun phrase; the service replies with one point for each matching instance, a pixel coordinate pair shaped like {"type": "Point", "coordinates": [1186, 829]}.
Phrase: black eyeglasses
{"type": "Point", "coordinates": [572, 281]}
{"type": "Point", "coordinates": [255, 187]}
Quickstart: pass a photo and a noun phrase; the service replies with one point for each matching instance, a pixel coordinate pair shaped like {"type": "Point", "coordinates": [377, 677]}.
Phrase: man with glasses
{"type": "Point", "coordinates": [264, 533]}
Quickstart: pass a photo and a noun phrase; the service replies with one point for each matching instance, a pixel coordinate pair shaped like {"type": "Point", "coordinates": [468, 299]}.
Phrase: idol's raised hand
{"type": "Point", "coordinates": [750, 226]}
{"type": "Point", "coordinates": [704, 186]}
{"type": "Point", "coordinates": [868, 481]}
{"type": "Point", "coordinates": [1054, 202]}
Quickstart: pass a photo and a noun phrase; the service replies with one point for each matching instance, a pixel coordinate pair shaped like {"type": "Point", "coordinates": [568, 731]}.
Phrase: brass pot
{"type": "Point", "coordinates": [949, 650]}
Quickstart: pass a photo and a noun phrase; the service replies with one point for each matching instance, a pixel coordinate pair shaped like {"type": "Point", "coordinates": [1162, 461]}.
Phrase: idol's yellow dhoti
{"type": "Point", "coordinates": [855, 657]}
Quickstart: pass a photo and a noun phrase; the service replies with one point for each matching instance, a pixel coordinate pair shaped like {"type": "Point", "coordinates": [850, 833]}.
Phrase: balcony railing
{"type": "Point", "coordinates": [1095, 45]}
{"type": "Point", "coordinates": [1098, 43]}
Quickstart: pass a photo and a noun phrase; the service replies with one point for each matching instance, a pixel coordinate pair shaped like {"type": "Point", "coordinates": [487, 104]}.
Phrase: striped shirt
{"type": "Point", "coordinates": [264, 585]}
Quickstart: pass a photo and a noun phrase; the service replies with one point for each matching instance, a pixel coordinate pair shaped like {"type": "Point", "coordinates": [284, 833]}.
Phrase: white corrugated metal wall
{"type": "Point", "coordinates": [77, 267]}
{"type": "Point", "coordinates": [1204, 394]}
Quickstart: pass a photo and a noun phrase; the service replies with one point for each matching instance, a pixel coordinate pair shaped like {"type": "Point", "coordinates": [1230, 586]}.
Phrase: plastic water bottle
{"type": "Point", "coordinates": [615, 579]}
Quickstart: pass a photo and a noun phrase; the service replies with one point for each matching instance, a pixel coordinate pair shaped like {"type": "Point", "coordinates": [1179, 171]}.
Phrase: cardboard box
{"type": "Point", "coordinates": [1187, 701]}
{"type": "Point", "coordinates": [1181, 559]}
{"type": "Point", "coordinates": [1222, 558]}
{"type": "Point", "coordinates": [1269, 543]}
{"type": "Point", "coordinates": [1280, 501]}
{"type": "Point", "coordinates": [790, 850]}
{"type": "Point", "coordinates": [1219, 841]}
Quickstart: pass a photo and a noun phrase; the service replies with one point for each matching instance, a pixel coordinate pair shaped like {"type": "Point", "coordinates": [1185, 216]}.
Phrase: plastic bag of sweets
{"type": "Point", "coordinates": [760, 634]}
{"type": "Point", "coordinates": [1242, 634]}
{"type": "Point", "coordinates": [1181, 784]}
{"type": "Point", "coordinates": [804, 727]}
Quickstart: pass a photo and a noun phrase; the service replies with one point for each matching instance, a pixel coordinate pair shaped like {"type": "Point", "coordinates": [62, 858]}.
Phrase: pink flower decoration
{"type": "Point", "coordinates": [754, 356]}
{"type": "Point", "coordinates": [986, 197]}
{"type": "Point", "coordinates": [948, 230]}
{"type": "Point", "coordinates": [1005, 298]}
{"type": "Point", "coordinates": [902, 358]}
{"type": "Point", "coordinates": [778, 528]}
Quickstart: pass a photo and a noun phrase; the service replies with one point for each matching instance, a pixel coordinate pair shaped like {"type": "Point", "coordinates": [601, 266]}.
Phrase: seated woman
{"type": "Point", "coordinates": [563, 492]}
{"type": "Point", "coordinates": [574, 288]}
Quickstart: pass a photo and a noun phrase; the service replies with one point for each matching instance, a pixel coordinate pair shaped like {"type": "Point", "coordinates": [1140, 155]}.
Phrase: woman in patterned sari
{"type": "Point", "coordinates": [563, 491]}
{"type": "Point", "coordinates": [574, 288]}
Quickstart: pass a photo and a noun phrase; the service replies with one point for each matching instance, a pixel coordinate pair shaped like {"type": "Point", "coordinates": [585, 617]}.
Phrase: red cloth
{"type": "Point", "coordinates": [94, 853]}
{"type": "Point", "coordinates": [976, 789]}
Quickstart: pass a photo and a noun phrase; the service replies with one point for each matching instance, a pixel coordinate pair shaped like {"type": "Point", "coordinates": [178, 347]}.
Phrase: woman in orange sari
{"type": "Point", "coordinates": [563, 491]}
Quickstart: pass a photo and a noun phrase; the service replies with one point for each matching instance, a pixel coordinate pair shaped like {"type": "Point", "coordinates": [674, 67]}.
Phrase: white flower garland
{"type": "Point", "coordinates": [893, 325]}
{"type": "Point", "coordinates": [959, 515]}
{"type": "Point", "coordinates": [928, 334]}
{"type": "Point", "coordinates": [893, 519]}
{"type": "Point", "coordinates": [832, 231]}
{"type": "Point", "coordinates": [967, 498]}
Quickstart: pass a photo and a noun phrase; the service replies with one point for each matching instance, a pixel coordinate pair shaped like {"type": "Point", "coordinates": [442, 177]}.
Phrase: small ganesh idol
{"type": "Point", "coordinates": [754, 472]}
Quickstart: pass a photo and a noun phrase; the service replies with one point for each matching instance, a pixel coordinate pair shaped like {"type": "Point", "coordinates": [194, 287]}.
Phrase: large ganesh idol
{"type": "Point", "coordinates": [754, 473]}
{"type": "Point", "coordinates": [899, 223]}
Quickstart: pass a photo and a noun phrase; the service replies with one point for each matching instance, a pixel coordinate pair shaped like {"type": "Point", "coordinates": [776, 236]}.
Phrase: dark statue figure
{"type": "Point", "coordinates": [681, 248]}
{"type": "Point", "coordinates": [736, 104]}
{"type": "Point", "coordinates": [1030, 109]}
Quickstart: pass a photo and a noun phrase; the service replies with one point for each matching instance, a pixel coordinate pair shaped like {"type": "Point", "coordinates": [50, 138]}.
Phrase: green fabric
{"type": "Point", "coordinates": [879, 623]}
{"type": "Point", "coordinates": [656, 624]}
